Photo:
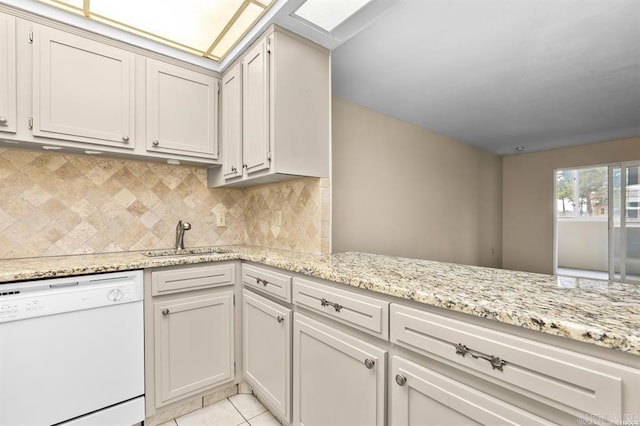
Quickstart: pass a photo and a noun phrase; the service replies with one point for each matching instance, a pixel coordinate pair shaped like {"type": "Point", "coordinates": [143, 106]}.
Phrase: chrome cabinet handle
{"type": "Point", "coordinates": [125, 139]}
{"type": "Point", "coordinates": [261, 281]}
{"type": "Point", "coordinates": [3, 121]}
{"type": "Point", "coordinates": [369, 363]}
{"type": "Point", "coordinates": [400, 379]}
{"type": "Point", "coordinates": [336, 306]}
{"type": "Point", "coordinates": [496, 362]}
{"type": "Point", "coordinates": [165, 312]}
{"type": "Point", "coordinates": [280, 319]}
{"type": "Point", "coordinates": [155, 143]}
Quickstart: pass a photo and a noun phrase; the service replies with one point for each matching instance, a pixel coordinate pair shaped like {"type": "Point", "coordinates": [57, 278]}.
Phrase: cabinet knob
{"type": "Point", "coordinates": [369, 363]}
{"type": "Point", "coordinates": [280, 319]}
{"type": "Point", "coordinates": [155, 143]}
{"type": "Point", "coordinates": [3, 121]}
{"type": "Point", "coordinates": [244, 166]}
{"type": "Point", "coordinates": [125, 139]}
{"type": "Point", "coordinates": [165, 312]}
{"type": "Point", "coordinates": [401, 380]}
{"type": "Point", "coordinates": [233, 169]}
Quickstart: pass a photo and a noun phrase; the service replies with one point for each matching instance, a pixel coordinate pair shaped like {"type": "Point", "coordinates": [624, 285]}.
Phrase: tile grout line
{"type": "Point", "coordinates": [238, 410]}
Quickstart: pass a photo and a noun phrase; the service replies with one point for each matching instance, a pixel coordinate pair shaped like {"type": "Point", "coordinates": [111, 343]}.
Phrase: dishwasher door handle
{"type": "Point", "coordinates": [67, 284]}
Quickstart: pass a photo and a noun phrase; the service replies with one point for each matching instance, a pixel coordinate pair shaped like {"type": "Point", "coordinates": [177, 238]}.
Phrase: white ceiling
{"type": "Point", "coordinates": [500, 74]}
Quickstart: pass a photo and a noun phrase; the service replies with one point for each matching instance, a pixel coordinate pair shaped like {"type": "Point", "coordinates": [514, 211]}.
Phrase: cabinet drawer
{"type": "Point", "coordinates": [362, 312]}
{"type": "Point", "coordinates": [568, 380]}
{"type": "Point", "coordinates": [270, 282]}
{"type": "Point", "coordinates": [191, 278]}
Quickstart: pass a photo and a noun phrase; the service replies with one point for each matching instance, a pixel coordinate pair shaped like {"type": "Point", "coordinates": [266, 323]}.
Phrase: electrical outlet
{"type": "Point", "coordinates": [221, 219]}
{"type": "Point", "coordinates": [279, 218]}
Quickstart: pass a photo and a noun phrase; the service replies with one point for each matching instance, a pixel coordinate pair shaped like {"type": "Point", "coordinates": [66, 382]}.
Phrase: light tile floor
{"type": "Point", "coordinates": [241, 409]}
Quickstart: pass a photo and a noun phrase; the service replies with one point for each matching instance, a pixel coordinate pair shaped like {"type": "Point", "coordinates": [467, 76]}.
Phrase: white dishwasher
{"type": "Point", "coordinates": [72, 351]}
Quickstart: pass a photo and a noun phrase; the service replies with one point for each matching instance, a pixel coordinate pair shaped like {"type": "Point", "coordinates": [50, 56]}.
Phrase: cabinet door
{"type": "Point", "coordinates": [193, 345]}
{"type": "Point", "coordinates": [7, 73]}
{"type": "Point", "coordinates": [182, 111]}
{"type": "Point", "coordinates": [232, 123]}
{"type": "Point", "coordinates": [82, 90]}
{"type": "Point", "coordinates": [338, 379]}
{"type": "Point", "coordinates": [267, 350]}
{"type": "Point", "coordinates": [421, 396]}
{"type": "Point", "coordinates": [255, 108]}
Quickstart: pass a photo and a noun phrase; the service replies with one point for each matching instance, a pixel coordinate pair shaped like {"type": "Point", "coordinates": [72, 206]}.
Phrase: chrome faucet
{"type": "Point", "coordinates": [182, 226]}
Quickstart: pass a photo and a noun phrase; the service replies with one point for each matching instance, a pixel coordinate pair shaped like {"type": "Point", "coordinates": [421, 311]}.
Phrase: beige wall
{"type": "Point", "coordinates": [528, 198]}
{"type": "Point", "coordinates": [399, 189]}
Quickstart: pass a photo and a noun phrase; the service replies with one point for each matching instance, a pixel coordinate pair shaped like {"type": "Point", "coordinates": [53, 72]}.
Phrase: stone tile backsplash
{"type": "Point", "coordinates": [290, 215]}
{"type": "Point", "coordinates": [57, 204]}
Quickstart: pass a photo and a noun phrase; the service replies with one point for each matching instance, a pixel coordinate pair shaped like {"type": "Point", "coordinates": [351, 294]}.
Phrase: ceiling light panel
{"type": "Point", "coordinates": [328, 14]}
{"type": "Point", "coordinates": [209, 28]}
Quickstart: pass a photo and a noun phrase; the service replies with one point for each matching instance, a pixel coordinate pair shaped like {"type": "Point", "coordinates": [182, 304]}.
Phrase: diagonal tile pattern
{"type": "Point", "coordinates": [290, 215]}
{"type": "Point", "coordinates": [240, 409]}
{"type": "Point", "coordinates": [58, 204]}
{"type": "Point", "coordinates": [55, 204]}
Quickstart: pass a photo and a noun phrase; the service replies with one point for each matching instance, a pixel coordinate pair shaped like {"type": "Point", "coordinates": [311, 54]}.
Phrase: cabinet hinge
{"type": "Point", "coordinates": [269, 46]}
{"type": "Point", "coordinates": [30, 123]}
{"type": "Point", "coordinates": [269, 155]}
{"type": "Point", "coordinates": [234, 368]}
{"type": "Point", "coordinates": [30, 36]}
{"type": "Point", "coordinates": [234, 300]}
{"type": "Point", "coordinates": [218, 86]}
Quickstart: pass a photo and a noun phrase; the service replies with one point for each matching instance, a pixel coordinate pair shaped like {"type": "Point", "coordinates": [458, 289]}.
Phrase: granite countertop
{"type": "Point", "coordinates": [598, 312]}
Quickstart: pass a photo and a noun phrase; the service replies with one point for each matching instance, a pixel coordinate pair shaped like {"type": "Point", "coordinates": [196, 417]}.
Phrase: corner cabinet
{"type": "Point", "coordinates": [266, 338]}
{"type": "Point", "coordinates": [276, 112]}
{"type": "Point", "coordinates": [256, 151]}
{"type": "Point", "coordinates": [7, 73]}
{"type": "Point", "coordinates": [231, 122]}
{"type": "Point", "coordinates": [82, 90]}
{"type": "Point", "coordinates": [182, 111]}
{"type": "Point", "coordinates": [338, 378]}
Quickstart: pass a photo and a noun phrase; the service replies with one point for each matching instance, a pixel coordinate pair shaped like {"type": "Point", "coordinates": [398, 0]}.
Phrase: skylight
{"type": "Point", "coordinates": [328, 14]}
{"type": "Point", "coordinates": [208, 28]}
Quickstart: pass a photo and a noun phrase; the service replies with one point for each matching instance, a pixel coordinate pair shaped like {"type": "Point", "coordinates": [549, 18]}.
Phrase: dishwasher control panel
{"type": "Point", "coordinates": [57, 296]}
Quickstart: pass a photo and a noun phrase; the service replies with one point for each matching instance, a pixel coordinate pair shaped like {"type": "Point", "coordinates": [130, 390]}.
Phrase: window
{"type": "Point", "coordinates": [582, 192]}
{"type": "Point", "coordinates": [597, 222]}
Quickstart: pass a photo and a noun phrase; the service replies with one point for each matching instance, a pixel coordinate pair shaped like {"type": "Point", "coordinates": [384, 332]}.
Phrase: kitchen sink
{"type": "Point", "coordinates": [186, 252]}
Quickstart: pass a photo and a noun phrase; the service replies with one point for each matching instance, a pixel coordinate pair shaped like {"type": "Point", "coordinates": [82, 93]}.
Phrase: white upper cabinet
{"type": "Point", "coordinates": [255, 112]}
{"type": "Point", "coordinates": [182, 111]}
{"type": "Point", "coordinates": [7, 73]}
{"type": "Point", "coordinates": [285, 113]}
{"type": "Point", "coordinates": [82, 90]}
{"type": "Point", "coordinates": [231, 123]}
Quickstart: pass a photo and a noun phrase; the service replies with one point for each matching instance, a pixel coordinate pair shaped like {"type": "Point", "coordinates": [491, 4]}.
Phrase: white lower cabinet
{"type": "Point", "coordinates": [420, 396]}
{"type": "Point", "coordinates": [338, 378]}
{"type": "Point", "coordinates": [190, 336]}
{"type": "Point", "coordinates": [266, 338]}
{"type": "Point", "coordinates": [193, 345]}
